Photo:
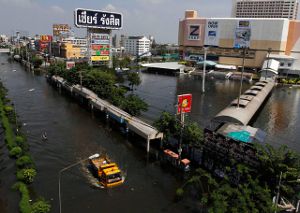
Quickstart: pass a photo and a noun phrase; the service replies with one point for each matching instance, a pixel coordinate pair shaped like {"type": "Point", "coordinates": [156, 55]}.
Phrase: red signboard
{"type": "Point", "coordinates": [70, 64]}
{"type": "Point", "coordinates": [46, 38]}
{"type": "Point", "coordinates": [184, 103]}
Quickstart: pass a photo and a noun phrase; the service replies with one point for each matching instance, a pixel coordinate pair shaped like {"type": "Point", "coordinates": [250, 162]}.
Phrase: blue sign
{"type": "Point", "coordinates": [212, 33]}
{"type": "Point", "coordinates": [97, 19]}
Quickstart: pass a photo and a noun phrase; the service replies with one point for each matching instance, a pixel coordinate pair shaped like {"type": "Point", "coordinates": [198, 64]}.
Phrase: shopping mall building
{"type": "Point", "coordinates": [227, 38]}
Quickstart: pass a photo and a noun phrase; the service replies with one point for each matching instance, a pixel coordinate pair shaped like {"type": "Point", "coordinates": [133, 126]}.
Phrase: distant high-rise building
{"type": "Point", "coordinates": [116, 41]}
{"type": "Point", "coordinates": [265, 9]}
{"type": "Point", "coordinates": [137, 45]}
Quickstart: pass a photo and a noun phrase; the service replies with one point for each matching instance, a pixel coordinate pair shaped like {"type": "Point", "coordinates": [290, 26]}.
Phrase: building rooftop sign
{"type": "Point", "coordinates": [97, 19]}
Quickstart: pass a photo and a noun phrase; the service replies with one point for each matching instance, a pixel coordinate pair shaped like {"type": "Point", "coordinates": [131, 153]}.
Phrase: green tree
{"type": "Point", "coordinates": [192, 134]}
{"type": "Point", "coordinates": [218, 195]}
{"type": "Point", "coordinates": [134, 105]}
{"type": "Point", "coordinates": [273, 161]}
{"type": "Point", "coordinates": [134, 79]}
{"type": "Point", "coordinates": [36, 61]}
{"type": "Point", "coordinates": [167, 124]}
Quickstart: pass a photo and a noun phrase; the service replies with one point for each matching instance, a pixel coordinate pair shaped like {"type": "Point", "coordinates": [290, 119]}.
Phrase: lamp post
{"type": "Point", "coordinates": [242, 76]}
{"type": "Point", "coordinates": [68, 167]}
{"type": "Point", "coordinates": [268, 58]}
{"type": "Point", "coordinates": [204, 70]}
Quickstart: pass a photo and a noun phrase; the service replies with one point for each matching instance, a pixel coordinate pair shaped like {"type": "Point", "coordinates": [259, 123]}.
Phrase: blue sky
{"type": "Point", "coordinates": [141, 17]}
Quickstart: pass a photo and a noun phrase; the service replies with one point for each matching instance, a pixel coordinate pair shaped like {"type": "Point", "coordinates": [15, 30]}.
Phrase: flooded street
{"type": "Point", "coordinates": [74, 134]}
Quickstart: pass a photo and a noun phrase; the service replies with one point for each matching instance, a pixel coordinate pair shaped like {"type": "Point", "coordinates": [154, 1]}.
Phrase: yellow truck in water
{"type": "Point", "coordinates": [108, 173]}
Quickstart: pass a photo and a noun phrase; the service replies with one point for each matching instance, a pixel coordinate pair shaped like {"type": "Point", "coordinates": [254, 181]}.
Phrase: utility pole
{"type": "Point", "coordinates": [277, 196]}
{"type": "Point", "coordinates": [181, 132]}
{"type": "Point", "coordinates": [204, 70]}
{"type": "Point", "coordinates": [268, 58]}
{"type": "Point", "coordinates": [242, 76]}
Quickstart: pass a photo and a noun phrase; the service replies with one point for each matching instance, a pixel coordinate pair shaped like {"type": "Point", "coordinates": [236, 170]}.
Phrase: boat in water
{"type": "Point", "coordinates": [107, 172]}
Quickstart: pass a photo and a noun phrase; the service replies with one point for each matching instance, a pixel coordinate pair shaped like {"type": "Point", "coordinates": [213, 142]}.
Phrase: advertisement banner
{"type": "Point", "coordinates": [100, 58]}
{"type": "Point", "coordinates": [60, 29]}
{"type": "Point", "coordinates": [212, 34]}
{"type": "Point", "coordinates": [100, 38]}
{"type": "Point", "coordinates": [70, 65]}
{"type": "Point", "coordinates": [45, 38]}
{"type": "Point", "coordinates": [194, 32]}
{"type": "Point", "coordinates": [97, 19]}
{"type": "Point", "coordinates": [242, 35]}
{"type": "Point", "coordinates": [184, 103]}
{"type": "Point", "coordinates": [100, 46]}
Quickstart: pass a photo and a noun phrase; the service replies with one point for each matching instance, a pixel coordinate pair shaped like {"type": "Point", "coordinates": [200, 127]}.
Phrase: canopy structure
{"type": "Point", "coordinates": [207, 63]}
{"type": "Point", "coordinates": [246, 134]}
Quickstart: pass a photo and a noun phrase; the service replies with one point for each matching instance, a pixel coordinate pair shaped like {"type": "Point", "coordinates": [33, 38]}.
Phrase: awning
{"type": "Point", "coordinates": [207, 63]}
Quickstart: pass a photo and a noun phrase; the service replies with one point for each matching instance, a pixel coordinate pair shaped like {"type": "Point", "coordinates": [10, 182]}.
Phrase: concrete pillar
{"type": "Point", "coordinates": [148, 145]}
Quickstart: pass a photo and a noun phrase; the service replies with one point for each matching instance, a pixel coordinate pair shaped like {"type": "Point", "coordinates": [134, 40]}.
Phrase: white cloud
{"type": "Point", "coordinates": [151, 1]}
{"type": "Point", "coordinates": [57, 9]}
{"type": "Point", "coordinates": [110, 8]}
{"type": "Point", "coordinates": [19, 3]}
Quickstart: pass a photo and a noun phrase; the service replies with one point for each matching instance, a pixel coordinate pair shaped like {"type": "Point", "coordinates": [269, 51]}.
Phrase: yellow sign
{"type": "Point", "coordinates": [100, 58]}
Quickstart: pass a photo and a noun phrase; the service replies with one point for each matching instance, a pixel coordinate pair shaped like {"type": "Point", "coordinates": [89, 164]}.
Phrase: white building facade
{"type": "Point", "coordinates": [81, 42]}
{"type": "Point", "coordinates": [137, 45]}
{"type": "Point", "coordinates": [265, 9]}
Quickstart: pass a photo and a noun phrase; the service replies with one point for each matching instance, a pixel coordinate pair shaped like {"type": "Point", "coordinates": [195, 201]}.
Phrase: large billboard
{"type": "Point", "coordinates": [212, 34]}
{"type": "Point", "coordinates": [97, 19]}
{"type": "Point", "coordinates": [242, 34]}
{"type": "Point", "coordinates": [100, 46]}
{"type": "Point", "coordinates": [61, 29]}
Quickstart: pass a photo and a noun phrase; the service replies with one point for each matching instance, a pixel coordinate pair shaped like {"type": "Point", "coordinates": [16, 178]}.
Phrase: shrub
{"type": "Point", "coordinates": [8, 109]}
{"type": "Point", "coordinates": [24, 204]}
{"type": "Point", "coordinates": [20, 140]}
{"type": "Point", "coordinates": [41, 206]}
{"type": "Point", "coordinates": [24, 161]}
{"type": "Point", "coordinates": [26, 175]}
{"type": "Point", "coordinates": [15, 151]}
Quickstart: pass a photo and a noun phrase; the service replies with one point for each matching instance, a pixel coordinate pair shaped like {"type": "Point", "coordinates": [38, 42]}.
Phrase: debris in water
{"type": "Point", "coordinates": [44, 136]}
{"type": "Point", "coordinates": [24, 124]}
{"type": "Point", "coordinates": [14, 70]}
{"type": "Point", "coordinates": [32, 89]}
{"type": "Point", "coordinates": [132, 189]}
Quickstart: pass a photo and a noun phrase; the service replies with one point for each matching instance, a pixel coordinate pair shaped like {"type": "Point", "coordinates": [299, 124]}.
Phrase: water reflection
{"type": "Point", "coordinates": [279, 116]}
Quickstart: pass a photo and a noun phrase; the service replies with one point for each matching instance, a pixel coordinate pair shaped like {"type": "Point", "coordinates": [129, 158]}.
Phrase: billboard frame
{"type": "Point", "coordinates": [95, 27]}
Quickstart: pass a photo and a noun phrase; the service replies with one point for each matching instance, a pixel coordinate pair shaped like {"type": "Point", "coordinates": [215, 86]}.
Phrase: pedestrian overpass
{"type": "Point", "coordinates": [4, 50]}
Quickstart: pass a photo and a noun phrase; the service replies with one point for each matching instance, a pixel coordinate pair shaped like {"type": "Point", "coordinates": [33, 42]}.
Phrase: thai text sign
{"type": "Point", "coordinates": [100, 58]}
{"type": "Point", "coordinates": [97, 19]}
{"type": "Point", "coordinates": [194, 32]}
{"type": "Point", "coordinates": [184, 103]}
{"type": "Point", "coordinates": [59, 29]}
{"type": "Point", "coordinates": [212, 33]}
{"type": "Point", "coordinates": [99, 49]}
{"type": "Point", "coordinates": [100, 38]}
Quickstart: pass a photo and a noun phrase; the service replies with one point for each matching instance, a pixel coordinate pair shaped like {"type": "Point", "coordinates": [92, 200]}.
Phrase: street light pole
{"type": "Point", "coordinates": [242, 76]}
{"type": "Point", "coordinates": [204, 70]}
{"type": "Point", "coordinates": [268, 58]}
{"type": "Point", "coordinates": [66, 168]}
{"type": "Point", "coordinates": [277, 195]}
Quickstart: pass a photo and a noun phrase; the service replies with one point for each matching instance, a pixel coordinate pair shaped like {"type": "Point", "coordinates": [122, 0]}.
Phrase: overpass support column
{"type": "Point", "coordinates": [148, 145]}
